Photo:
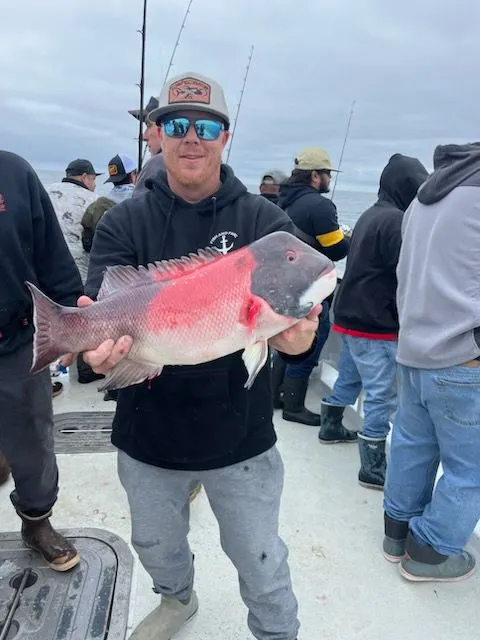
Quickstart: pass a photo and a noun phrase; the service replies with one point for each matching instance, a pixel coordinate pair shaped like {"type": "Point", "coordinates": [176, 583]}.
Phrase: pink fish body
{"type": "Point", "coordinates": [190, 310]}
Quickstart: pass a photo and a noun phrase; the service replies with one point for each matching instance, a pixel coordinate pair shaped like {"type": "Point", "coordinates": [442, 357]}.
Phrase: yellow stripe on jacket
{"type": "Point", "coordinates": [330, 238]}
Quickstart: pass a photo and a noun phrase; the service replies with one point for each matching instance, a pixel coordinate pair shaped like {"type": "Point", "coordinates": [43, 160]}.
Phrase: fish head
{"type": "Point", "coordinates": [289, 275]}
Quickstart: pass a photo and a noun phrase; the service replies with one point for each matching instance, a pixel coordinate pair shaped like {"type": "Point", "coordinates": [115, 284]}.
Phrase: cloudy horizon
{"type": "Point", "coordinates": [70, 72]}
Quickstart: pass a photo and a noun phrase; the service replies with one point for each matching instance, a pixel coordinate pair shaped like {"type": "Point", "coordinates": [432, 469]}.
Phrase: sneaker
{"type": "Point", "coordinates": [166, 620]}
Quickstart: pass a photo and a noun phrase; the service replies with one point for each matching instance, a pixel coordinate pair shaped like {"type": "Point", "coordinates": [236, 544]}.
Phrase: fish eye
{"type": "Point", "coordinates": [291, 256]}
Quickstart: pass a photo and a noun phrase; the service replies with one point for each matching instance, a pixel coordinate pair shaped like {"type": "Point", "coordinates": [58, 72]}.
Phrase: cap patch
{"type": "Point", "coordinates": [189, 90]}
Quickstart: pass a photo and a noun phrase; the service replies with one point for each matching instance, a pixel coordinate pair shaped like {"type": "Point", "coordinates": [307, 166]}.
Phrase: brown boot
{"type": "Point", "coordinates": [4, 469]}
{"type": "Point", "coordinates": [39, 535]}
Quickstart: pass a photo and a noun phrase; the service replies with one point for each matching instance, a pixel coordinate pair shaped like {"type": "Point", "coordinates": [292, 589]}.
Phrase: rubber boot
{"type": "Point", "coordinates": [395, 539]}
{"type": "Point", "coordinates": [4, 469]}
{"type": "Point", "coordinates": [166, 620]}
{"type": "Point", "coordinates": [278, 374]}
{"type": "Point", "coordinates": [294, 392]}
{"type": "Point", "coordinates": [373, 462]}
{"type": "Point", "coordinates": [333, 430]}
{"type": "Point", "coordinates": [422, 563]}
{"type": "Point", "coordinates": [39, 535]}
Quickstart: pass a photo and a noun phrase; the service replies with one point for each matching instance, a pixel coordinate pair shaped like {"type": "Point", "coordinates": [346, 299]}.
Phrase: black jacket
{"type": "Point", "coordinates": [366, 298]}
{"type": "Point", "coordinates": [190, 417]}
{"type": "Point", "coordinates": [32, 247]}
{"type": "Point", "coordinates": [316, 217]}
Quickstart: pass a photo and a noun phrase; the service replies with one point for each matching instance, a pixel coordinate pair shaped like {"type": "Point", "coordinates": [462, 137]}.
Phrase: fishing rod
{"type": "Point", "coordinates": [343, 147]}
{"type": "Point", "coordinates": [240, 102]}
{"type": "Point", "coordinates": [142, 31]}
{"type": "Point", "coordinates": [170, 64]}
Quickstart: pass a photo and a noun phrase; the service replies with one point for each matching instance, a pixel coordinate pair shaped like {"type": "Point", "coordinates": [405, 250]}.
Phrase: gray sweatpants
{"type": "Point", "coordinates": [26, 432]}
{"type": "Point", "coordinates": [245, 499]}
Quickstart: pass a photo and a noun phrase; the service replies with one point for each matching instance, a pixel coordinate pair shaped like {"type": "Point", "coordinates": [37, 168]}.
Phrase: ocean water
{"type": "Point", "coordinates": [350, 204]}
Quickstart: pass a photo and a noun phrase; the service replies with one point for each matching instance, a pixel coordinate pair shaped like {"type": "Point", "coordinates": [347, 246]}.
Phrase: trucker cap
{"type": "Point", "coordinates": [119, 167]}
{"type": "Point", "coordinates": [191, 91]}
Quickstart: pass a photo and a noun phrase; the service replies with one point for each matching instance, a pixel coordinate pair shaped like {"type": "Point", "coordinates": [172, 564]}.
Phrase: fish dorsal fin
{"type": "Point", "coordinates": [177, 267]}
{"type": "Point", "coordinates": [126, 276]}
{"type": "Point", "coordinates": [123, 277]}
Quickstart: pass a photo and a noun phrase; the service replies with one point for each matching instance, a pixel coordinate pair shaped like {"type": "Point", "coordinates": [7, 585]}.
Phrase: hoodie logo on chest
{"type": "Point", "coordinates": [224, 241]}
{"type": "Point", "coordinates": [3, 206]}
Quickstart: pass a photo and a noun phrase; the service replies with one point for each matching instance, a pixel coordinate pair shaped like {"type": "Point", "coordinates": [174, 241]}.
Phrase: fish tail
{"type": "Point", "coordinates": [47, 319]}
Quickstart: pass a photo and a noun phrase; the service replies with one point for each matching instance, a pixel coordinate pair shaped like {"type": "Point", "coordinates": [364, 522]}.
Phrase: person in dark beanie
{"type": "Point", "coordinates": [33, 249]}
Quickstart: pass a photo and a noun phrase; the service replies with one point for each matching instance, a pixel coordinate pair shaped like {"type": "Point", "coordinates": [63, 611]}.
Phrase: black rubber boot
{"type": "Point", "coordinates": [373, 462]}
{"type": "Point", "coordinates": [396, 532]}
{"type": "Point", "coordinates": [278, 374]}
{"type": "Point", "coordinates": [4, 469]}
{"type": "Point", "coordinates": [332, 430]}
{"type": "Point", "coordinates": [294, 392]}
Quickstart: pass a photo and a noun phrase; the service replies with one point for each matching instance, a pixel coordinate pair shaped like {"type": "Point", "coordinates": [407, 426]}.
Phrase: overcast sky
{"type": "Point", "coordinates": [69, 68]}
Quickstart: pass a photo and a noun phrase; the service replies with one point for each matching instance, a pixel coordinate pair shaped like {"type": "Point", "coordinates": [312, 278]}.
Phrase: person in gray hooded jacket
{"type": "Point", "coordinates": [438, 418]}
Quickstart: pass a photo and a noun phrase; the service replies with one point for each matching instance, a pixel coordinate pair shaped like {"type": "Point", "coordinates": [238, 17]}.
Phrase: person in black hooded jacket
{"type": "Point", "coordinates": [198, 424]}
{"type": "Point", "coordinates": [316, 223]}
{"type": "Point", "coordinates": [365, 313]}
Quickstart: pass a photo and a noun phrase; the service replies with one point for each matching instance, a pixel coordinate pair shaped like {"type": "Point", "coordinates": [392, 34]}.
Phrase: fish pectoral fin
{"type": "Point", "coordinates": [254, 357]}
{"type": "Point", "coordinates": [127, 373]}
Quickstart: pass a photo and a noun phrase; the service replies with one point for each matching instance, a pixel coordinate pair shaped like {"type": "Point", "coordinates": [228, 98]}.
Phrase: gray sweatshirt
{"type": "Point", "coordinates": [149, 170]}
{"type": "Point", "coordinates": [438, 294]}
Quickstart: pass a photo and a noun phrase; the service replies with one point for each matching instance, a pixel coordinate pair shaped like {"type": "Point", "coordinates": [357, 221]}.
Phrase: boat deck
{"type": "Point", "coordinates": [332, 526]}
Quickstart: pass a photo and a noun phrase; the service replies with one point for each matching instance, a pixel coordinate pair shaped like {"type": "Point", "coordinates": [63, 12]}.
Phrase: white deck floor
{"type": "Point", "coordinates": [333, 527]}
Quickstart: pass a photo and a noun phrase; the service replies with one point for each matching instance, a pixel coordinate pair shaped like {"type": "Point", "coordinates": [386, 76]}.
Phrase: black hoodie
{"type": "Point", "coordinates": [32, 247]}
{"type": "Point", "coordinates": [366, 298]}
{"type": "Point", "coordinates": [190, 417]}
{"type": "Point", "coordinates": [316, 218]}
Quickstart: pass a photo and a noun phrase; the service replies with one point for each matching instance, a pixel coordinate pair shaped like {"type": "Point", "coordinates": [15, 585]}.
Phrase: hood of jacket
{"type": "Point", "coordinates": [400, 180]}
{"type": "Point", "coordinates": [289, 193]}
{"type": "Point", "coordinates": [454, 165]}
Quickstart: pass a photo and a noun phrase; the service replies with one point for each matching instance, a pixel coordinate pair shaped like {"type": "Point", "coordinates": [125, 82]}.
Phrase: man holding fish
{"type": "Point", "coordinates": [186, 341]}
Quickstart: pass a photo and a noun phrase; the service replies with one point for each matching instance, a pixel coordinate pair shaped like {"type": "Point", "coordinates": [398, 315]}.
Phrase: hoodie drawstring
{"type": "Point", "coordinates": [167, 226]}
{"type": "Point", "coordinates": [214, 219]}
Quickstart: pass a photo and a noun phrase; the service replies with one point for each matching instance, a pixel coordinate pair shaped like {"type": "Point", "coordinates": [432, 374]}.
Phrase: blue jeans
{"type": "Point", "coordinates": [369, 364]}
{"type": "Point", "coordinates": [438, 420]}
{"type": "Point", "coordinates": [305, 368]}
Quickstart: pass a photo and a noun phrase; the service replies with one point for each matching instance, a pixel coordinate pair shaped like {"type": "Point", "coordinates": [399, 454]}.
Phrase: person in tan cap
{"type": "Point", "coordinates": [315, 219]}
{"type": "Point", "coordinates": [198, 424]}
